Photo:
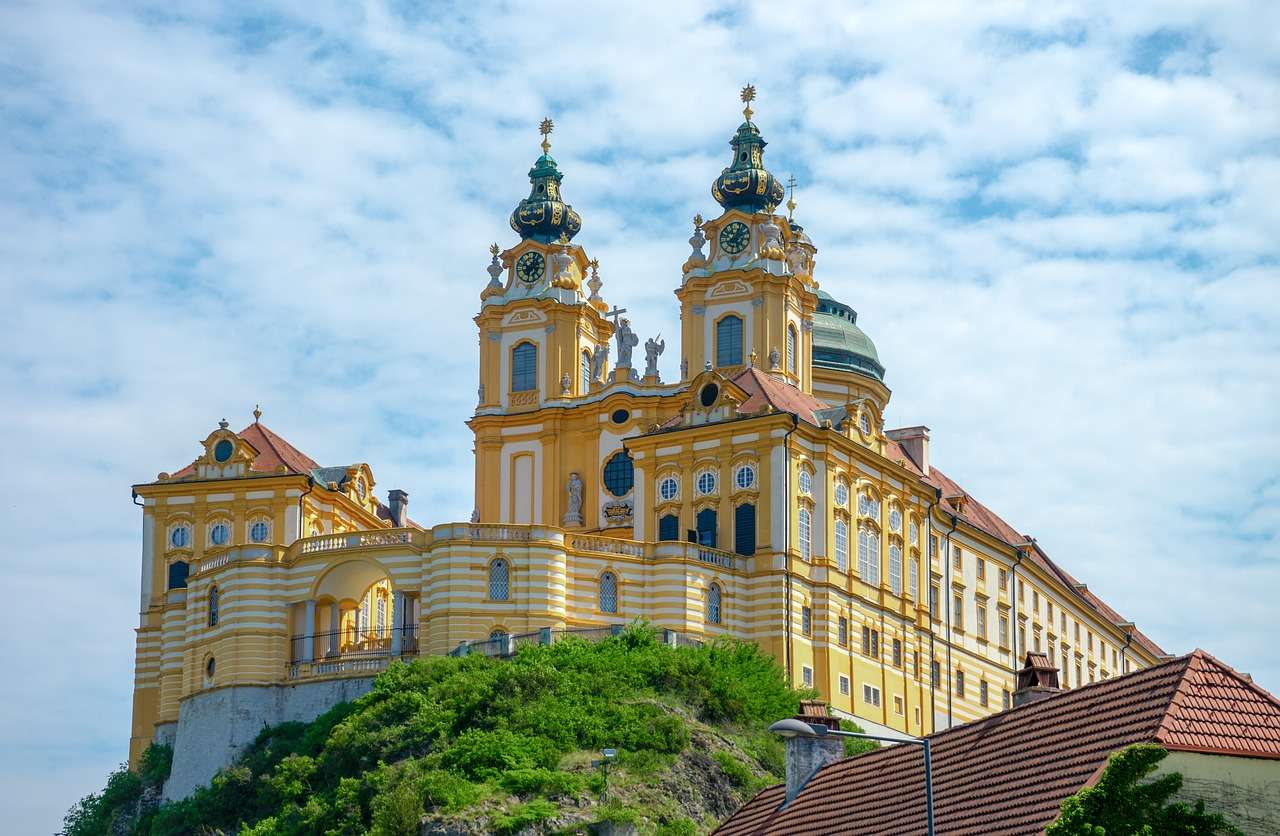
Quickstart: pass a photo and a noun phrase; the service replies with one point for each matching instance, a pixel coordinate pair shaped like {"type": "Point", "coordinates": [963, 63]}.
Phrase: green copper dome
{"type": "Point", "coordinates": [746, 184]}
{"type": "Point", "coordinates": [838, 342]}
{"type": "Point", "coordinates": [543, 215]}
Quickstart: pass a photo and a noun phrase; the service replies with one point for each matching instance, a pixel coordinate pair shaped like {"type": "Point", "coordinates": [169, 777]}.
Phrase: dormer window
{"type": "Point", "coordinates": [222, 450]}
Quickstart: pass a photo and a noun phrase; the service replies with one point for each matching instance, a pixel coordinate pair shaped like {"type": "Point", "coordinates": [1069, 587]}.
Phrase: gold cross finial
{"type": "Point", "coordinates": [545, 129]}
{"type": "Point", "coordinates": [697, 221]}
{"type": "Point", "coordinates": [791, 201]}
{"type": "Point", "coordinates": [494, 250]}
{"type": "Point", "coordinates": [748, 96]}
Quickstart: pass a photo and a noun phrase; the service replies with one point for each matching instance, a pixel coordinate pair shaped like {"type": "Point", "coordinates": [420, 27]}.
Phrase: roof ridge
{"type": "Point", "coordinates": [1206, 657]}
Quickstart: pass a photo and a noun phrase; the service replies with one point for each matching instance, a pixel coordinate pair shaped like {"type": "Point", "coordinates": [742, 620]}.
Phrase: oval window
{"type": "Point", "coordinates": [210, 667]}
{"type": "Point", "coordinates": [223, 450]}
{"type": "Point", "coordinates": [258, 532]}
{"type": "Point", "coordinates": [709, 394]}
{"type": "Point", "coordinates": [619, 474]}
{"type": "Point", "coordinates": [668, 488]}
{"type": "Point", "coordinates": [180, 537]}
{"type": "Point", "coordinates": [619, 416]}
{"type": "Point", "coordinates": [745, 477]}
{"type": "Point", "coordinates": [218, 535]}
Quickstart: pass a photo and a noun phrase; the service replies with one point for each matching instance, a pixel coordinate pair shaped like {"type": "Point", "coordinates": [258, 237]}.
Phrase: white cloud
{"type": "Point", "coordinates": [205, 212]}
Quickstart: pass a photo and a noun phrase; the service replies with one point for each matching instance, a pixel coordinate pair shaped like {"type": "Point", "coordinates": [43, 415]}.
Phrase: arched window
{"type": "Point", "coordinates": [729, 341]}
{"type": "Point", "coordinates": [895, 569]}
{"type": "Point", "coordinates": [713, 604]}
{"type": "Point", "coordinates": [178, 574]}
{"type": "Point", "coordinates": [806, 533]}
{"type": "Point", "coordinates": [381, 624]}
{"type": "Point", "coordinates": [499, 580]}
{"type": "Point", "coordinates": [842, 545]}
{"type": "Point", "coordinates": [362, 628]}
{"type": "Point", "coordinates": [586, 373]}
{"type": "Point", "coordinates": [744, 529]}
{"type": "Point", "coordinates": [791, 349]}
{"type": "Point", "coordinates": [706, 521]}
{"type": "Point", "coordinates": [213, 607]}
{"type": "Point", "coordinates": [524, 367]}
{"type": "Point", "coordinates": [669, 527]}
{"type": "Point", "coordinates": [869, 556]}
{"type": "Point", "coordinates": [619, 474]}
{"type": "Point", "coordinates": [608, 592]}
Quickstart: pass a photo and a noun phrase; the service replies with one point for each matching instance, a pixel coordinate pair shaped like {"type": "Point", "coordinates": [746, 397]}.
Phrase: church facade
{"type": "Point", "coordinates": [760, 496]}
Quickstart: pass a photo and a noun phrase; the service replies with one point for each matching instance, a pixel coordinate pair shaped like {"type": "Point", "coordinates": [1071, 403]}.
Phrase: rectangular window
{"type": "Point", "coordinates": [729, 341]}
{"type": "Point", "coordinates": [1048, 608]}
{"type": "Point", "coordinates": [897, 653]}
{"type": "Point", "coordinates": [935, 674]}
{"type": "Point", "coordinates": [956, 560]}
{"type": "Point", "coordinates": [1004, 631]}
{"type": "Point", "coordinates": [982, 693]}
{"type": "Point", "coordinates": [843, 637]}
{"type": "Point", "coordinates": [960, 684]}
{"type": "Point", "coordinates": [1036, 639]}
{"type": "Point", "coordinates": [1022, 638]}
{"type": "Point", "coordinates": [957, 611]}
{"type": "Point", "coordinates": [744, 529]}
{"type": "Point", "coordinates": [895, 569]}
{"type": "Point", "coordinates": [1004, 698]}
{"type": "Point", "coordinates": [806, 621]}
{"type": "Point", "coordinates": [1077, 633]}
{"type": "Point", "coordinates": [1089, 640]}
{"type": "Point", "coordinates": [934, 595]}
{"type": "Point", "coordinates": [982, 569]}
{"type": "Point", "coordinates": [913, 578]}
{"type": "Point", "coordinates": [917, 715]}
{"type": "Point", "coordinates": [1004, 580]}
{"type": "Point", "coordinates": [933, 546]}
{"type": "Point", "coordinates": [806, 674]}
{"type": "Point", "coordinates": [866, 641]}
{"type": "Point", "coordinates": [982, 622]}
{"type": "Point", "coordinates": [871, 696]}
{"type": "Point", "coordinates": [1035, 602]}
{"type": "Point", "coordinates": [898, 707]}
{"type": "Point", "coordinates": [875, 643]}
{"type": "Point", "coordinates": [844, 685]}
{"type": "Point", "coordinates": [915, 663]}
{"type": "Point", "coordinates": [1022, 592]}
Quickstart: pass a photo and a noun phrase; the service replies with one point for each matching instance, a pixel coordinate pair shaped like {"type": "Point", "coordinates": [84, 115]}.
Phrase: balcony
{"type": "Point", "coordinates": [343, 653]}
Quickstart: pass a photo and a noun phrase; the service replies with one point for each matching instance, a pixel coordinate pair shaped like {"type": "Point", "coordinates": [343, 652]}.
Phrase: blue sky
{"type": "Point", "coordinates": [1057, 221]}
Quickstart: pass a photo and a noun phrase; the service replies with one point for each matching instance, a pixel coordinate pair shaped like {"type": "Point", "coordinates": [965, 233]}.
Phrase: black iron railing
{"type": "Point", "coordinates": [353, 645]}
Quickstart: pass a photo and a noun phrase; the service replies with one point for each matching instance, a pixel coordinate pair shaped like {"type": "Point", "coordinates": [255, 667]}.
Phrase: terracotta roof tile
{"type": "Point", "coordinates": [1010, 772]}
{"type": "Point", "coordinates": [765, 390]}
{"type": "Point", "coordinates": [273, 451]}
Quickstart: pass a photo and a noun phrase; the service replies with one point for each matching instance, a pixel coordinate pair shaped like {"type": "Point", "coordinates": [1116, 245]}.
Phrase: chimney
{"type": "Point", "coordinates": [399, 504]}
{"type": "Point", "coordinates": [805, 754]}
{"type": "Point", "coordinates": [1037, 679]}
{"type": "Point", "coordinates": [915, 440]}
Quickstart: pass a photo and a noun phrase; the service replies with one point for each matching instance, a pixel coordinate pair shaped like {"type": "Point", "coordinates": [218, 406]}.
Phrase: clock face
{"type": "Point", "coordinates": [735, 237]}
{"type": "Point", "coordinates": [529, 267]}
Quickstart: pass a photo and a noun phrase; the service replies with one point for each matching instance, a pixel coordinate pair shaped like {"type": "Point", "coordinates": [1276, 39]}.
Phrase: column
{"type": "Point", "coordinates": [309, 631]}
{"type": "Point", "coordinates": [334, 626]}
{"type": "Point", "coordinates": [397, 622]}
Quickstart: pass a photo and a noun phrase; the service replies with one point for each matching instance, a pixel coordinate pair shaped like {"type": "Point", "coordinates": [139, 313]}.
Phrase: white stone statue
{"type": "Point", "coordinates": [771, 240]}
{"type": "Point", "coordinates": [775, 359]}
{"type": "Point", "coordinates": [653, 349]}
{"type": "Point", "coordinates": [598, 360]}
{"type": "Point", "coordinates": [573, 516]}
{"type": "Point", "coordinates": [475, 515]}
{"type": "Point", "coordinates": [798, 261]}
{"type": "Point", "coordinates": [627, 340]}
{"type": "Point", "coordinates": [566, 383]}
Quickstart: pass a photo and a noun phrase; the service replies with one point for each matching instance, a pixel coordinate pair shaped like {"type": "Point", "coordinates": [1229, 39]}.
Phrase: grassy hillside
{"type": "Point", "coordinates": [476, 745]}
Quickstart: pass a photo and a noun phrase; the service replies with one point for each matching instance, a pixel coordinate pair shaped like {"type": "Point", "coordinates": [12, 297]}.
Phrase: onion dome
{"type": "Point", "coordinates": [745, 184]}
{"type": "Point", "coordinates": [543, 215]}
{"type": "Point", "coordinates": [838, 342]}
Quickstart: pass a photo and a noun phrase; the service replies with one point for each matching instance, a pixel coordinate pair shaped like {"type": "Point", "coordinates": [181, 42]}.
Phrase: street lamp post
{"type": "Point", "coordinates": [798, 728]}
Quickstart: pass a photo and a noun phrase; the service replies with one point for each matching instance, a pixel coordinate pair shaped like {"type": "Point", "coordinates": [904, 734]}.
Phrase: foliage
{"type": "Point", "coordinates": [155, 764]}
{"type": "Point", "coordinates": [737, 771]}
{"type": "Point", "coordinates": [441, 735]}
{"type": "Point", "coordinates": [1126, 800]}
{"type": "Point", "coordinates": [854, 746]}
{"type": "Point", "coordinates": [678, 827]}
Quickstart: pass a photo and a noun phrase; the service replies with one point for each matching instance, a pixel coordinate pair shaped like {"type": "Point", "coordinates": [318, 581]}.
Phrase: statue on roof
{"type": "Point", "coordinates": [627, 340]}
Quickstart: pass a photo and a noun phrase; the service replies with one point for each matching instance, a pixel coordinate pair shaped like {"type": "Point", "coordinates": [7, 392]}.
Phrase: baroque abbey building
{"type": "Point", "coordinates": [758, 497]}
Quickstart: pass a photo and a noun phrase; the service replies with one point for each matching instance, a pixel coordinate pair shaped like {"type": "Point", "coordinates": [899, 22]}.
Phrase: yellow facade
{"type": "Point", "coordinates": [759, 496]}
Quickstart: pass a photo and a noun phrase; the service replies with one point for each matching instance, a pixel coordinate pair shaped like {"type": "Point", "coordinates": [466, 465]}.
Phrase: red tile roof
{"type": "Point", "coordinates": [765, 390]}
{"type": "Point", "coordinates": [984, 519]}
{"type": "Point", "coordinates": [1010, 772]}
{"type": "Point", "coordinates": [273, 451]}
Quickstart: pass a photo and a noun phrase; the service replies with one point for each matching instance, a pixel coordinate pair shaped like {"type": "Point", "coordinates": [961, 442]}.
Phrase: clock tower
{"type": "Point", "coordinates": [752, 297]}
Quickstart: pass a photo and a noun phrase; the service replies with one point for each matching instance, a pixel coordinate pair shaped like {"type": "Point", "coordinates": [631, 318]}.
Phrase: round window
{"type": "Point", "coordinates": [619, 474]}
{"type": "Point", "coordinates": [709, 394]}
{"type": "Point", "coordinates": [619, 416]}
{"type": "Point", "coordinates": [707, 482]}
{"type": "Point", "coordinates": [223, 450]}
{"type": "Point", "coordinates": [219, 534]}
{"type": "Point", "coordinates": [895, 520]}
{"type": "Point", "coordinates": [180, 537]}
{"type": "Point", "coordinates": [745, 476]}
{"type": "Point", "coordinates": [668, 488]}
{"type": "Point", "coordinates": [259, 531]}
{"type": "Point", "coordinates": [842, 494]}
{"type": "Point", "coordinates": [806, 481]}
{"type": "Point", "coordinates": [210, 667]}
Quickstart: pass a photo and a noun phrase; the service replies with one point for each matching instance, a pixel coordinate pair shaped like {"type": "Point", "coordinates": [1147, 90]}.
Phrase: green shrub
{"type": "Point", "coordinates": [524, 815]}
{"type": "Point", "coordinates": [615, 813]}
{"type": "Point", "coordinates": [735, 770]}
{"type": "Point", "coordinates": [854, 746]}
{"type": "Point", "coordinates": [485, 754]}
{"type": "Point", "coordinates": [96, 813]}
{"type": "Point", "coordinates": [678, 827]}
{"type": "Point", "coordinates": [155, 764]}
{"type": "Point", "coordinates": [447, 792]}
{"type": "Point", "coordinates": [542, 781]}
{"type": "Point", "coordinates": [397, 811]}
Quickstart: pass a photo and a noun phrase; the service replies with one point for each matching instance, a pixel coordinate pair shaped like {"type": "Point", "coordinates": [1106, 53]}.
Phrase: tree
{"type": "Point", "coordinates": [1127, 802]}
